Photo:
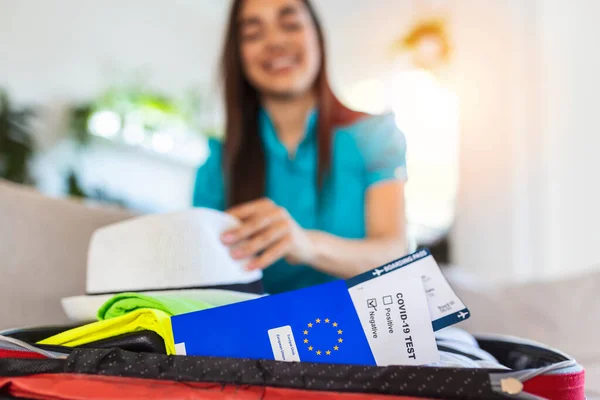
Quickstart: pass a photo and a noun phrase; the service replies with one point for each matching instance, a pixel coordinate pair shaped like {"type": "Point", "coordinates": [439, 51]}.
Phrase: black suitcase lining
{"type": "Point", "coordinates": [519, 356]}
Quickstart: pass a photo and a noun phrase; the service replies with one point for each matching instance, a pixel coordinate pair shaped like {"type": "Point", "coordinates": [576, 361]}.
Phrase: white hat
{"type": "Point", "coordinates": [177, 253]}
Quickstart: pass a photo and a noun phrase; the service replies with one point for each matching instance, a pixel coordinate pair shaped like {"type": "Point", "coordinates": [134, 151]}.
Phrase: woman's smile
{"type": "Point", "coordinates": [281, 65]}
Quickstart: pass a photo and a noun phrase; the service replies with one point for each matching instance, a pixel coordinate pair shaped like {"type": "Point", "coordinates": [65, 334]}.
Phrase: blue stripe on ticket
{"type": "Point", "coordinates": [445, 307]}
{"type": "Point", "coordinates": [387, 268]}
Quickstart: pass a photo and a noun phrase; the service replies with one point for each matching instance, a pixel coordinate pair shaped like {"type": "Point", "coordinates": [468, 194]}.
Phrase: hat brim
{"type": "Point", "coordinates": [84, 309]}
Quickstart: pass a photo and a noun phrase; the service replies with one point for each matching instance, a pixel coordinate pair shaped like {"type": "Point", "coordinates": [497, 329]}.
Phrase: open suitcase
{"type": "Point", "coordinates": [131, 367]}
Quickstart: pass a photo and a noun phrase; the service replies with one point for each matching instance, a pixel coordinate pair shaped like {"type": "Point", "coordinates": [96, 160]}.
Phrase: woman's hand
{"type": "Point", "coordinates": [267, 234]}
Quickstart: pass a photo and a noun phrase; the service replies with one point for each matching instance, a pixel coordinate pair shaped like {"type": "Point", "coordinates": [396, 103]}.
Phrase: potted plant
{"type": "Point", "coordinates": [16, 141]}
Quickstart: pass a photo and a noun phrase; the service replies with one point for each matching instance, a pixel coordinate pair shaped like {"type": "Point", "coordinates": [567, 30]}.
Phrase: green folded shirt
{"type": "Point", "coordinates": [125, 303]}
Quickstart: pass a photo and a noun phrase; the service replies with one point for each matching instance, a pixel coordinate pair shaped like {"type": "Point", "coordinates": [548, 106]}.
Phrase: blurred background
{"type": "Point", "coordinates": [111, 102]}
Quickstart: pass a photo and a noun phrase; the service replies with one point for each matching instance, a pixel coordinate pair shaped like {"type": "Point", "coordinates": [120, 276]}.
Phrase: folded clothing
{"type": "Point", "coordinates": [139, 320]}
{"type": "Point", "coordinates": [459, 349]}
{"type": "Point", "coordinates": [15, 348]}
{"type": "Point", "coordinates": [171, 304]}
{"type": "Point", "coordinates": [127, 313]}
{"type": "Point", "coordinates": [19, 354]}
{"type": "Point", "coordinates": [35, 334]}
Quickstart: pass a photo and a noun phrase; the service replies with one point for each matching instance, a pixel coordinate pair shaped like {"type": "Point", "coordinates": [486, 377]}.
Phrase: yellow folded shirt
{"type": "Point", "coordinates": [135, 321]}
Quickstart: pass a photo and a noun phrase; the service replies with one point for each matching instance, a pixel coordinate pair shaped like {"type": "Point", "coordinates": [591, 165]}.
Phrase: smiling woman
{"type": "Point", "coordinates": [319, 188]}
{"type": "Point", "coordinates": [280, 73]}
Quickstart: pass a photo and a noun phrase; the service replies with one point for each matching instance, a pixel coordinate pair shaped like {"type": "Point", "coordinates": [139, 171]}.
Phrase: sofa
{"type": "Point", "coordinates": [43, 251]}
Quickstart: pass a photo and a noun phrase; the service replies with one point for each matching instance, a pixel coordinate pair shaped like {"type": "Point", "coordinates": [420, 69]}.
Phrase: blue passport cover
{"type": "Point", "coordinates": [322, 319]}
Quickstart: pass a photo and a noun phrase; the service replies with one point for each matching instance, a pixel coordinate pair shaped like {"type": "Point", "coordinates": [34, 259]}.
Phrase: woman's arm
{"type": "Point", "coordinates": [268, 233]}
{"type": "Point", "coordinates": [385, 241]}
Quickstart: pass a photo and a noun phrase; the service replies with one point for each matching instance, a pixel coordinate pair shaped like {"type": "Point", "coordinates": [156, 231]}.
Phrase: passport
{"type": "Point", "coordinates": [382, 317]}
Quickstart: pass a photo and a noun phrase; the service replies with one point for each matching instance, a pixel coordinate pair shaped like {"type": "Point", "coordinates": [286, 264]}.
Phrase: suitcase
{"type": "Point", "coordinates": [112, 370]}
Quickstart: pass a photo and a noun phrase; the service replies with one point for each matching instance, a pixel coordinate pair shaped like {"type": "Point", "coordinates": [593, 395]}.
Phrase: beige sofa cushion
{"type": "Point", "coordinates": [43, 253]}
{"type": "Point", "coordinates": [562, 314]}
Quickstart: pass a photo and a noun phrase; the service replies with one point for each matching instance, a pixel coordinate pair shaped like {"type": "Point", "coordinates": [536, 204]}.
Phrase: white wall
{"type": "Point", "coordinates": [569, 112]}
{"type": "Point", "coordinates": [527, 83]}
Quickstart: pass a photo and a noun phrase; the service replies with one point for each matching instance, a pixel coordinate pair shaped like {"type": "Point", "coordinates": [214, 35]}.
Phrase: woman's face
{"type": "Point", "coordinates": [279, 46]}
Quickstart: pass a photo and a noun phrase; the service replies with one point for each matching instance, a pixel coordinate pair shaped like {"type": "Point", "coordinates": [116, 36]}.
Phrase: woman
{"type": "Point", "coordinates": [319, 188]}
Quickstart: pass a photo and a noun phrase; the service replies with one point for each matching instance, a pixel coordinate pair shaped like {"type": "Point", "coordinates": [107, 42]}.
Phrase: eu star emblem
{"type": "Point", "coordinates": [322, 339]}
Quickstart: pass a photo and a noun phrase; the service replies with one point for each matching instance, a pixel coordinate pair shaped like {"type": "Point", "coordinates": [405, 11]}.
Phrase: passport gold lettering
{"type": "Point", "coordinates": [289, 338]}
{"type": "Point", "coordinates": [373, 325]}
{"type": "Point", "coordinates": [280, 346]}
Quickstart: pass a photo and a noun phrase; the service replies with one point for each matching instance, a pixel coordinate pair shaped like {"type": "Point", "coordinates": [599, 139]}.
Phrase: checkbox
{"type": "Point", "coordinates": [372, 303]}
{"type": "Point", "coordinates": [387, 300]}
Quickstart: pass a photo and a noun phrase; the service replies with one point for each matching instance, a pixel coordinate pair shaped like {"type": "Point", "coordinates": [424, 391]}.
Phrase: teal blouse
{"type": "Point", "coordinates": [370, 151]}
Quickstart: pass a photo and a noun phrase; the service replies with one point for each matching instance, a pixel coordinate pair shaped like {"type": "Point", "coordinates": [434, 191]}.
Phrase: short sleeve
{"type": "Point", "coordinates": [383, 148]}
{"type": "Point", "coordinates": [209, 184]}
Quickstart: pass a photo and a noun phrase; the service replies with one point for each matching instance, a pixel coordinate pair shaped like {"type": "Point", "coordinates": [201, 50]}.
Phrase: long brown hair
{"type": "Point", "coordinates": [244, 159]}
